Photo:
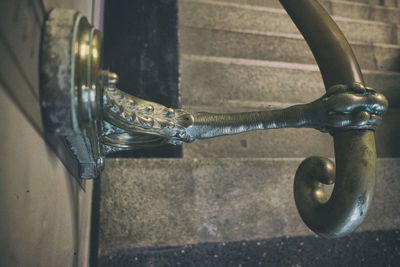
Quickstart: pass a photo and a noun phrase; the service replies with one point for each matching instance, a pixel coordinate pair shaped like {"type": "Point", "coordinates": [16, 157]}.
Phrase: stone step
{"type": "Point", "coordinates": [363, 11]}
{"type": "Point", "coordinates": [349, 9]}
{"type": "Point", "coordinates": [275, 3]}
{"type": "Point", "coordinates": [230, 16]}
{"type": "Point", "coordinates": [388, 3]}
{"type": "Point", "coordinates": [170, 202]}
{"type": "Point", "coordinates": [285, 142]}
{"type": "Point", "coordinates": [216, 81]}
{"type": "Point", "coordinates": [277, 47]}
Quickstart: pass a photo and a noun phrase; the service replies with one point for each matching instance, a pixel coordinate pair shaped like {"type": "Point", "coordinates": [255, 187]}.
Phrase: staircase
{"type": "Point", "coordinates": [245, 55]}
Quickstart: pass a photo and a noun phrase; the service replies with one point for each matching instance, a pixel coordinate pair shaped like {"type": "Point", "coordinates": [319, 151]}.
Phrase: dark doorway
{"type": "Point", "coordinates": [140, 44]}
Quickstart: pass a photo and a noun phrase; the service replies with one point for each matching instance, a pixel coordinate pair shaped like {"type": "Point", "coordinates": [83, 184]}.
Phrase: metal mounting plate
{"type": "Point", "coordinates": [70, 94]}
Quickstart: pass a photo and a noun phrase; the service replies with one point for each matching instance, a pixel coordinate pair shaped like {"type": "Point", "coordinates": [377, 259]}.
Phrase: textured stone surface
{"type": "Point", "coordinates": [277, 47]}
{"type": "Point", "coordinates": [227, 16]}
{"type": "Point", "coordinates": [84, 7]}
{"type": "Point", "coordinates": [168, 202]}
{"type": "Point", "coordinates": [361, 11]}
{"type": "Point", "coordinates": [220, 81]}
{"type": "Point", "coordinates": [56, 71]}
{"type": "Point", "coordinates": [259, 144]}
{"type": "Point", "coordinates": [391, 4]}
{"type": "Point", "coordinates": [377, 248]}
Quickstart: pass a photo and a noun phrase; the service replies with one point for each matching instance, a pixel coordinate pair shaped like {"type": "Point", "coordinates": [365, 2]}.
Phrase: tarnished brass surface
{"type": "Point", "coordinates": [355, 151]}
{"type": "Point", "coordinates": [343, 107]}
{"type": "Point", "coordinates": [354, 185]}
{"type": "Point", "coordinates": [328, 44]}
{"type": "Point", "coordinates": [131, 122]}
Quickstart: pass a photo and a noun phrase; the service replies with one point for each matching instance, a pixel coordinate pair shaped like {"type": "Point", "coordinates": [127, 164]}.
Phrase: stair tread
{"type": "Point", "coordinates": [365, 5]}
{"type": "Point", "coordinates": [360, 3]}
{"type": "Point", "coordinates": [210, 80]}
{"type": "Point", "coordinates": [245, 17]}
{"type": "Point", "coordinates": [272, 63]}
{"type": "Point", "coordinates": [327, 4]}
{"type": "Point", "coordinates": [277, 47]}
{"type": "Point", "coordinates": [169, 202]}
{"type": "Point", "coordinates": [280, 34]}
{"type": "Point", "coordinates": [388, 3]}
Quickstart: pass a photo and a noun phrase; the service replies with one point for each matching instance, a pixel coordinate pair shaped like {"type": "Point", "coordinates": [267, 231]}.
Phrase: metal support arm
{"type": "Point", "coordinates": [343, 107]}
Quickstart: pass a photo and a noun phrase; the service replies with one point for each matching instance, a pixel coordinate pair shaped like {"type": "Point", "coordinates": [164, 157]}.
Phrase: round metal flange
{"type": "Point", "coordinates": [70, 91]}
{"type": "Point", "coordinates": [69, 67]}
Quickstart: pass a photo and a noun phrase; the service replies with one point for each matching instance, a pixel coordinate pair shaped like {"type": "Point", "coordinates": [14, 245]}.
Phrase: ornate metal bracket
{"type": "Point", "coordinates": [70, 93]}
{"type": "Point", "coordinates": [82, 104]}
{"type": "Point", "coordinates": [132, 122]}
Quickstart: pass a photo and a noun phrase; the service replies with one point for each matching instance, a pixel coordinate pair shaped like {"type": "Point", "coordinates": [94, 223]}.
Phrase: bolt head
{"type": "Point", "coordinates": [100, 164]}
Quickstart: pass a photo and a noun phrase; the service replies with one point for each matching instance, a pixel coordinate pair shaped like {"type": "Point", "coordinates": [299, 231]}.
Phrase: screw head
{"type": "Point", "coordinates": [100, 164]}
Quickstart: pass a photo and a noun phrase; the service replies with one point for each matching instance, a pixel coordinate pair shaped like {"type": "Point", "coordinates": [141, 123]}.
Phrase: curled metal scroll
{"type": "Point", "coordinates": [355, 151]}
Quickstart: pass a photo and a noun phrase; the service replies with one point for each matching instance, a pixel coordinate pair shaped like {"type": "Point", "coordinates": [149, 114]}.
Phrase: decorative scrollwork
{"type": "Point", "coordinates": [143, 123]}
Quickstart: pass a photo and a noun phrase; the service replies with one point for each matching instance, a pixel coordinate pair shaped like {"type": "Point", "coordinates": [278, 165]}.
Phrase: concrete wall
{"type": "Point", "coordinates": [45, 213]}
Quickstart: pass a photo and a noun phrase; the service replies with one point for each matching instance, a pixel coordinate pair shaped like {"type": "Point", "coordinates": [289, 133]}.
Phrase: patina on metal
{"type": "Point", "coordinates": [70, 96]}
{"type": "Point", "coordinates": [343, 107]}
{"type": "Point", "coordinates": [83, 104]}
{"type": "Point", "coordinates": [355, 152]}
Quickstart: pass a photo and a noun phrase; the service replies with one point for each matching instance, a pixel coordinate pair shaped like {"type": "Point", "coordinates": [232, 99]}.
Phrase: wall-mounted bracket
{"type": "Point", "coordinates": [70, 91]}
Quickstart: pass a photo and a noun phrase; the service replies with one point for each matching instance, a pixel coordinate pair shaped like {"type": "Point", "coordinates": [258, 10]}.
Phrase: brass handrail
{"type": "Point", "coordinates": [355, 151]}
{"type": "Point", "coordinates": [93, 117]}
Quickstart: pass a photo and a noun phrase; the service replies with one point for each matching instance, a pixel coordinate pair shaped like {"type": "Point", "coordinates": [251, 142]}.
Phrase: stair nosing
{"type": "Point", "coordinates": [283, 35]}
{"type": "Point", "coordinates": [282, 11]}
{"type": "Point", "coordinates": [238, 5]}
{"type": "Point", "coordinates": [259, 7]}
{"type": "Point", "coordinates": [364, 5]}
{"type": "Point", "coordinates": [270, 63]}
